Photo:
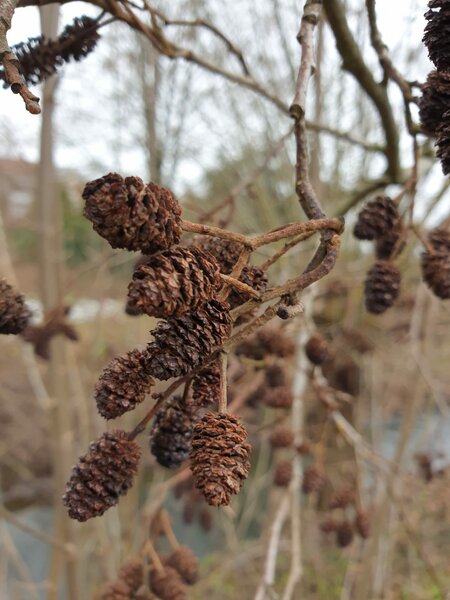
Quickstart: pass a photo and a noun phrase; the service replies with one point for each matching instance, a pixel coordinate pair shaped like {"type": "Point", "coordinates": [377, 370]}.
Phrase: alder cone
{"type": "Point", "coordinates": [275, 376]}
{"type": "Point", "coordinates": [342, 498]}
{"type": "Point", "coordinates": [171, 433]}
{"type": "Point", "coordinates": [344, 534]}
{"type": "Point", "coordinates": [328, 526]}
{"type": "Point", "coordinates": [313, 480]}
{"type": "Point", "coordinates": [184, 343]}
{"type": "Point", "coordinates": [436, 273]}
{"type": "Point", "coordinates": [252, 276]}
{"type": "Point", "coordinates": [390, 242]}
{"type": "Point", "coordinates": [226, 252]}
{"type": "Point", "coordinates": [279, 397]}
{"type": "Point", "coordinates": [377, 217]}
{"type": "Point", "coordinates": [439, 238]}
{"type": "Point", "coordinates": [132, 573]}
{"type": "Point", "coordinates": [283, 473]}
{"type": "Point", "coordinates": [14, 315]}
{"type": "Point", "coordinates": [40, 57]}
{"type": "Point", "coordinates": [132, 215]}
{"type": "Point", "coordinates": [437, 33]}
{"type": "Point", "coordinates": [219, 457]}
{"type": "Point", "coordinates": [267, 341]}
{"type": "Point", "coordinates": [122, 385]}
{"type": "Point", "coordinates": [167, 584]}
{"type": "Point", "coordinates": [172, 282]}
{"type": "Point", "coordinates": [317, 349]}
{"type": "Point", "coordinates": [281, 437]}
{"type": "Point", "coordinates": [434, 101]}
{"type": "Point", "coordinates": [206, 386]}
{"type": "Point", "coordinates": [102, 475]}
{"type": "Point", "coordinates": [184, 561]}
{"type": "Point", "coordinates": [115, 590]}
{"type": "Point", "coordinates": [362, 525]}
{"type": "Point", "coordinates": [382, 287]}
{"type": "Point", "coordinates": [443, 143]}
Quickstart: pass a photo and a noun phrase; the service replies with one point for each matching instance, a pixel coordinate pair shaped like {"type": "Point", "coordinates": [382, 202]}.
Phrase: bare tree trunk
{"type": "Point", "coordinates": [51, 262]}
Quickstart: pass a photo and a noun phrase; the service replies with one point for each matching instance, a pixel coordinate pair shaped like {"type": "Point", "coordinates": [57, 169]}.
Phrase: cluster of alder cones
{"type": "Point", "coordinates": [181, 286]}
{"type": "Point", "coordinates": [380, 222]}
{"type": "Point", "coordinates": [434, 103]}
{"type": "Point", "coordinates": [345, 518]}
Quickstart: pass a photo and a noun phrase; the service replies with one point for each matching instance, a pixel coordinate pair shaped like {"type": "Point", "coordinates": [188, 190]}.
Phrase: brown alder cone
{"type": "Point", "coordinates": [40, 57]}
{"type": "Point", "coordinates": [173, 282]}
{"type": "Point", "coordinates": [344, 534]}
{"type": "Point", "coordinates": [390, 243]}
{"type": "Point", "coordinates": [275, 376]}
{"type": "Point", "coordinates": [313, 480]}
{"type": "Point", "coordinates": [283, 473]}
{"type": "Point", "coordinates": [443, 143]}
{"type": "Point", "coordinates": [252, 276]}
{"type": "Point", "coordinates": [219, 457]}
{"type": "Point", "coordinates": [279, 397]}
{"type": "Point", "coordinates": [132, 573]}
{"type": "Point", "coordinates": [184, 561]}
{"type": "Point", "coordinates": [14, 315]}
{"type": "Point", "coordinates": [328, 526]}
{"type": "Point", "coordinates": [102, 475]}
{"type": "Point", "coordinates": [115, 590]}
{"type": "Point", "coordinates": [182, 344]}
{"type": "Point", "coordinates": [434, 101]}
{"type": "Point", "coordinates": [171, 433]}
{"type": "Point", "coordinates": [167, 584]}
{"type": "Point", "coordinates": [281, 437]}
{"type": "Point", "coordinates": [269, 340]}
{"type": "Point", "coordinates": [132, 215]}
{"type": "Point", "coordinates": [436, 265]}
{"type": "Point", "coordinates": [376, 218]}
{"type": "Point", "coordinates": [382, 287]}
{"type": "Point", "coordinates": [123, 385]}
{"type": "Point", "coordinates": [226, 252]}
{"type": "Point", "coordinates": [362, 524]}
{"type": "Point", "coordinates": [206, 386]}
{"type": "Point", "coordinates": [318, 350]}
{"type": "Point", "coordinates": [437, 33]}
{"type": "Point", "coordinates": [55, 323]}
{"type": "Point", "coordinates": [342, 498]}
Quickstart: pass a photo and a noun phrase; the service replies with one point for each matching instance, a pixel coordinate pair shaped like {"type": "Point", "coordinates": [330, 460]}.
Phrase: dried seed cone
{"type": "Point", "coordinates": [184, 343]}
{"type": "Point", "coordinates": [132, 573]}
{"type": "Point", "coordinates": [115, 590]}
{"type": "Point", "coordinates": [313, 480]}
{"type": "Point", "coordinates": [184, 561]}
{"type": "Point", "coordinates": [226, 252]}
{"type": "Point", "coordinates": [132, 215]}
{"type": "Point", "coordinates": [252, 276]}
{"type": "Point", "coordinates": [344, 534]}
{"type": "Point", "coordinates": [443, 143]}
{"type": "Point", "coordinates": [219, 457]}
{"type": "Point", "coordinates": [40, 57]}
{"type": "Point", "coordinates": [279, 397]}
{"type": "Point", "coordinates": [171, 433]}
{"type": "Point", "coordinates": [317, 349]}
{"type": "Point", "coordinates": [328, 526]}
{"type": "Point", "coordinates": [436, 265]}
{"type": "Point", "coordinates": [437, 33]}
{"type": "Point", "coordinates": [14, 315]}
{"type": "Point", "coordinates": [172, 282]}
{"type": "Point", "coordinates": [362, 525]}
{"type": "Point", "coordinates": [382, 287]}
{"type": "Point", "coordinates": [434, 101]}
{"type": "Point", "coordinates": [342, 498]}
{"type": "Point", "coordinates": [167, 584]}
{"type": "Point", "coordinates": [269, 340]}
{"type": "Point", "coordinates": [281, 437]}
{"type": "Point", "coordinates": [102, 475]}
{"type": "Point", "coordinates": [122, 385]}
{"type": "Point", "coordinates": [206, 386]}
{"type": "Point", "coordinates": [283, 473]}
{"type": "Point", "coordinates": [377, 217]}
{"type": "Point", "coordinates": [275, 376]}
{"type": "Point", "coordinates": [390, 242]}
